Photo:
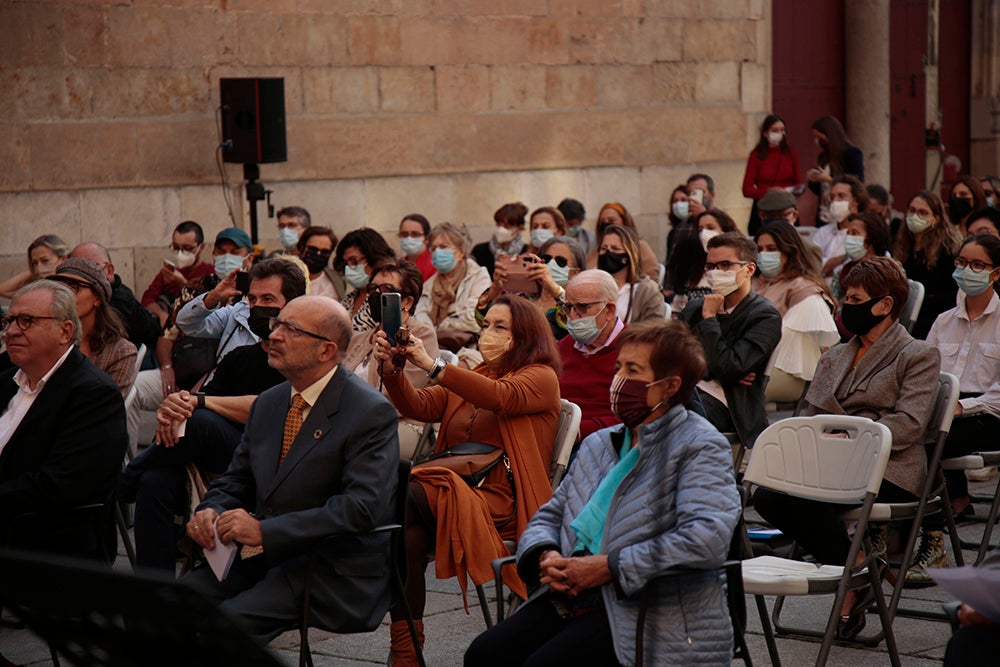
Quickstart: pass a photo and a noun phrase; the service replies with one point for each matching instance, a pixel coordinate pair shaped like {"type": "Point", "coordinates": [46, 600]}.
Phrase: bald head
{"type": "Point", "coordinates": [330, 319]}
{"type": "Point", "coordinates": [311, 339]}
{"type": "Point", "coordinates": [97, 254]}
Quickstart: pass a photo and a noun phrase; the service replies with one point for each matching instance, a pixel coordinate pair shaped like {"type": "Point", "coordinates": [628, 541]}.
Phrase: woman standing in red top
{"type": "Point", "coordinates": [772, 164]}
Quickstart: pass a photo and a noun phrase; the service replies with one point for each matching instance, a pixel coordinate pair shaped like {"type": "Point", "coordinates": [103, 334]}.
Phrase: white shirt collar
{"type": "Point", "coordinates": [21, 378]}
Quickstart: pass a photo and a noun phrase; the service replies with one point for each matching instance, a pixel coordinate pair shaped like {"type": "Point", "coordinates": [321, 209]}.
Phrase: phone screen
{"type": "Point", "coordinates": [243, 282]}
{"type": "Point", "coordinates": [392, 316]}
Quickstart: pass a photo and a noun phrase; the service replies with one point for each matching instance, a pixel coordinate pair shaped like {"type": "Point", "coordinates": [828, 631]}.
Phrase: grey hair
{"type": "Point", "coordinates": [63, 303]}
{"type": "Point", "coordinates": [579, 258]}
{"type": "Point", "coordinates": [602, 280]}
{"type": "Point", "coordinates": [456, 233]}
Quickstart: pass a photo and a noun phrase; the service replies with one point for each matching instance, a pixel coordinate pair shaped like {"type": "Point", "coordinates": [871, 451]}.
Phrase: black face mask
{"type": "Point", "coordinates": [958, 208]}
{"type": "Point", "coordinates": [612, 262]}
{"type": "Point", "coordinates": [260, 320]}
{"type": "Point", "coordinates": [316, 261]}
{"type": "Point", "coordinates": [858, 318]}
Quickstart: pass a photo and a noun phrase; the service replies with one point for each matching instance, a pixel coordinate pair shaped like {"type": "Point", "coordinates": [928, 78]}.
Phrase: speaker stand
{"type": "Point", "coordinates": [255, 193]}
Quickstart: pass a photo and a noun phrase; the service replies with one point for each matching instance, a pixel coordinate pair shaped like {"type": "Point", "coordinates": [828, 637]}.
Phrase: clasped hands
{"type": "Point", "coordinates": [238, 525]}
{"type": "Point", "coordinates": [173, 411]}
{"type": "Point", "coordinates": [570, 576]}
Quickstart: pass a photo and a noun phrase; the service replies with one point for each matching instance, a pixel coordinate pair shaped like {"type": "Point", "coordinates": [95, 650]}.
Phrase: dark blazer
{"type": "Point", "coordinates": [736, 345]}
{"type": "Point", "coordinates": [339, 478]}
{"type": "Point", "coordinates": [66, 452]}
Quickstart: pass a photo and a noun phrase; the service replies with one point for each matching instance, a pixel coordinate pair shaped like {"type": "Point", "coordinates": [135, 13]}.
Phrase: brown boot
{"type": "Point", "coordinates": [401, 651]}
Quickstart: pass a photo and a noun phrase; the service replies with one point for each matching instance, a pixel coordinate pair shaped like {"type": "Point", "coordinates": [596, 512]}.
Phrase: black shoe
{"type": "Point", "coordinates": [851, 626]}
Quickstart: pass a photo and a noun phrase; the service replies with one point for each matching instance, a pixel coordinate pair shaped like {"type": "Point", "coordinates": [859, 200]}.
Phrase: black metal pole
{"type": "Point", "coordinates": [255, 193]}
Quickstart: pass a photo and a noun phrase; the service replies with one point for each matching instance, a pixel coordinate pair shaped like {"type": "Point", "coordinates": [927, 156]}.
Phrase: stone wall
{"type": "Point", "coordinates": [108, 127]}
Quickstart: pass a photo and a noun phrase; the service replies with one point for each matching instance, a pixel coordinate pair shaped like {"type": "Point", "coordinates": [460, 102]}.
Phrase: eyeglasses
{"type": "Point", "coordinates": [179, 248]}
{"type": "Point", "coordinates": [24, 321]}
{"type": "Point", "coordinates": [977, 265]}
{"type": "Point", "coordinates": [411, 235]}
{"type": "Point", "coordinates": [580, 308]}
{"type": "Point", "coordinates": [294, 330]}
{"type": "Point", "coordinates": [561, 261]}
{"type": "Point", "coordinates": [384, 288]}
{"type": "Point", "coordinates": [724, 265]}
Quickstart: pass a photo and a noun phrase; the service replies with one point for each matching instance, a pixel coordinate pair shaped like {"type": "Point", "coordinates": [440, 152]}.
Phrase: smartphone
{"type": "Point", "coordinates": [699, 195]}
{"type": "Point", "coordinates": [392, 316]}
{"type": "Point", "coordinates": [243, 282]}
{"type": "Point", "coordinates": [169, 266]}
{"type": "Point", "coordinates": [518, 280]}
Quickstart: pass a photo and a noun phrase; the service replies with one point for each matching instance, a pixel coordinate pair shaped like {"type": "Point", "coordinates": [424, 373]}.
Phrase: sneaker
{"type": "Point", "coordinates": [879, 533]}
{"type": "Point", "coordinates": [982, 474]}
{"type": "Point", "coordinates": [930, 554]}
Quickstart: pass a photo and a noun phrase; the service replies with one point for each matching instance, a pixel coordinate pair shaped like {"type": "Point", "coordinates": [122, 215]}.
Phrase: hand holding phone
{"type": "Point", "coordinates": [392, 316]}
{"type": "Point", "coordinates": [243, 282]}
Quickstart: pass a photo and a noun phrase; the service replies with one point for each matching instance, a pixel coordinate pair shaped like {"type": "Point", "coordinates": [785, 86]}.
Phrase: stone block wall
{"type": "Point", "coordinates": [108, 111]}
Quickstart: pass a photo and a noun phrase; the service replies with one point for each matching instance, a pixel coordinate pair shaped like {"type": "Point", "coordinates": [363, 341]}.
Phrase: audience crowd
{"type": "Point", "coordinates": [286, 389]}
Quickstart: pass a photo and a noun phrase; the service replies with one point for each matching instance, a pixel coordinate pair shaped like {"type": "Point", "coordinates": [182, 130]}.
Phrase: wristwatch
{"type": "Point", "coordinates": [436, 369]}
{"type": "Point", "coordinates": [201, 400]}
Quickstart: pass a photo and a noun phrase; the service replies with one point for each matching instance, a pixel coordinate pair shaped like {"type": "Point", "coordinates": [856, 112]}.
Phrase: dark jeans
{"type": "Point", "coordinates": [815, 525]}
{"type": "Point", "coordinates": [155, 481]}
{"type": "Point", "coordinates": [717, 413]}
{"type": "Point", "coordinates": [536, 635]}
{"type": "Point", "coordinates": [974, 645]}
{"type": "Point", "coordinates": [973, 433]}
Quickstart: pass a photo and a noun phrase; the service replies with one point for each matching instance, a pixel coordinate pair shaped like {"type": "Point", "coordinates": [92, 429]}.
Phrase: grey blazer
{"type": "Point", "coordinates": [339, 478]}
{"type": "Point", "coordinates": [895, 383]}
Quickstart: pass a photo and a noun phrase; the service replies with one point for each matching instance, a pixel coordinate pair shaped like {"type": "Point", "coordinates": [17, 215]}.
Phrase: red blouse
{"type": "Point", "coordinates": [777, 170]}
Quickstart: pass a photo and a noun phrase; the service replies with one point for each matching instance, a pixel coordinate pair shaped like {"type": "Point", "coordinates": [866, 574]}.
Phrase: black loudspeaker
{"type": "Point", "coordinates": [253, 120]}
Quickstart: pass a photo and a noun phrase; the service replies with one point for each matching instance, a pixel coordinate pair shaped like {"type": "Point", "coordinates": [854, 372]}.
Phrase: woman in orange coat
{"type": "Point", "coordinates": [510, 401]}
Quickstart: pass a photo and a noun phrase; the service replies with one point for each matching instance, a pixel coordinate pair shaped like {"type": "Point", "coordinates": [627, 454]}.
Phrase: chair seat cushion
{"type": "Point", "coordinates": [770, 575]}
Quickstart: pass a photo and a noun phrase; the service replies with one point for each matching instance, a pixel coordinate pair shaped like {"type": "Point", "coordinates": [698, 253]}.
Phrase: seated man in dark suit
{"type": "Point", "coordinates": [739, 330]}
{"type": "Point", "coordinates": [62, 430]}
{"type": "Point", "coordinates": [319, 458]}
{"type": "Point", "coordinates": [213, 421]}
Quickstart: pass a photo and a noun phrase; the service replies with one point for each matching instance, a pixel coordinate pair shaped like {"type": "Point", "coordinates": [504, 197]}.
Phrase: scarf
{"type": "Point", "coordinates": [513, 248]}
{"type": "Point", "coordinates": [443, 292]}
{"type": "Point", "coordinates": [589, 524]}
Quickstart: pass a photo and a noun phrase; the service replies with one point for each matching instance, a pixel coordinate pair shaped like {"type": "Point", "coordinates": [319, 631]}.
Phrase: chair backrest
{"type": "Point", "coordinates": [566, 434]}
{"type": "Point", "coordinates": [831, 458]}
{"type": "Point", "coordinates": [908, 315]}
{"type": "Point", "coordinates": [944, 407]}
{"type": "Point", "coordinates": [140, 356]}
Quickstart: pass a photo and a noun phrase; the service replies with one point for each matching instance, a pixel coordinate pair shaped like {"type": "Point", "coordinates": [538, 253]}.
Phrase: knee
{"type": "Point", "coordinates": [158, 485]}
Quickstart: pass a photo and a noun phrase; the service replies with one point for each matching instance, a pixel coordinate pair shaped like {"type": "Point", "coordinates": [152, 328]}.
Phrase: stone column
{"type": "Point", "coordinates": [866, 30]}
{"type": "Point", "coordinates": [985, 99]}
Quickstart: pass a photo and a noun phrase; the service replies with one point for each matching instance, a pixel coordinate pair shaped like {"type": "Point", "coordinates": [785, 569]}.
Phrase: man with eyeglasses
{"type": "Point", "coordinates": [142, 326]}
{"type": "Point", "coordinates": [62, 430]}
{"type": "Point", "coordinates": [319, 458]}
{"type": "Point", "coordinates": [204, 428]}
{"type": "Point", "coordinates": [739, 330]}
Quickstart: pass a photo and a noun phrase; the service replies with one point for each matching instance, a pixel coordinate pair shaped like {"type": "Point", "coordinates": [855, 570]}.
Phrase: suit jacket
{"type": "Point", "coordinates": [735, 345]}
{"type": "Point", "coordinates": [66, 452]}
{"type": "Point", "coordinates": [339, 479]}
{"type": "Point", "coordinates": [894, 383]}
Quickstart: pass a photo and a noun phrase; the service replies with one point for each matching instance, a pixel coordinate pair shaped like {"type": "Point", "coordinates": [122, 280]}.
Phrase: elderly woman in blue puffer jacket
{"type": "Point", "coordinates": [639, 499]}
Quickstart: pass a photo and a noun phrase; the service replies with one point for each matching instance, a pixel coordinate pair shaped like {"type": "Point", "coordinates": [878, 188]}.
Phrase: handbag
{"type": "Point", "coordinates": [192, 358]}
{"type": "Point", "coordinates": [473, 461]}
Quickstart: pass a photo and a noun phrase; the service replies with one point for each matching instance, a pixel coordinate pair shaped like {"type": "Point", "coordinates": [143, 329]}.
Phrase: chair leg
{"type": "Point", "coordinates": [884, 615]}
{"type": "Point", "coordinates": [765, 622]}
{"type": "Point", "coordinates": [484, 605]}
{"type": "Point", "coordinates": [397, 582]}
{"type": "Point", "coordinates": [984, 544]}
{"type": "Point", "coordinates": [123, 532]}
{"type": "Point", "coordinates": [54, 654]}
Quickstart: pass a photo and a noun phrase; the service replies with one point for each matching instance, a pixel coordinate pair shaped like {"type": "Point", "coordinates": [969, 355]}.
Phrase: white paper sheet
{"type": "Point", "coordinates": [221, 558]}
{"type": "Point", "coordinates": [978, 587]}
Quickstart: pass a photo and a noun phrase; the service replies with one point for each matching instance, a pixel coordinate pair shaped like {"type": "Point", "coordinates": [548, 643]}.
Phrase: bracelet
{"type": "Point", "coordinates": [436, 369]}
{"type": "Point", "coordinates": [201, 400]}
{"type": "Point", "coordinates": [166, 367]}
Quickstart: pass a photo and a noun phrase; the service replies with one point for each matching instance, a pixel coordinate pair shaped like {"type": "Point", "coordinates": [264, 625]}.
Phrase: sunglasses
{"type": "Point", "coordinates": [561, 261]}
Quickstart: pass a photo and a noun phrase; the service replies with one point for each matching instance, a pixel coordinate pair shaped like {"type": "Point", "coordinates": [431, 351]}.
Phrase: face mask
{"type": "Point", "coordinates": [412, 246]}
{"type": "Point", "coordinates": [443, 259]}
{"type": "Point", "coordinates": [681, 210]}
{"type": "Point", "coordinates": [560, 274]}
{"type": "Point", "coordinates": [540, 236]}
{"type": "Point", "coordinates": [722, 282]}
{"type": "Point", "coordinates": [503, 236]}
{"type": "Point", "coordinates": [840, 209]}
{"type": "Point", "coordinates": [184, 259]}
{"type": "Point", "coordinates": [584, 329]}
{"type": "Point", "coordinates": [769, 263]}
{"type": "Point", "coordinates": [288, 237]}
{"type": "Point", "coordinates": [705, 235]}
{"type": "Point", "coordinates": [628, 400]}
{"type": "Point", "coordinates": [493, 345]}
{"type": "Point", "coordinates": [612, 262]}
{"type": "Point", "coordinates": [226, 264]}
{"type": "Point", "coordinates": [958, 209]}
{"type": "Point", "coordinates": [990, 201]}
{"type": "Point", "coordinates": [972, 282]}
{"type": "Point", "coordinates": [855, 248]}
{"type": "Point", "coordinates": [858, 318]}
{"type": "Point", "coordinates": [916, 223]}
{"type": "Point", "coordinates": [316, 261]}
{"type": "Point", "coordinates": [260, 320]}
{"type": "Point", "coordinates": [356, 276]}
{"type": "Point", "coordinates": [774, 138]}
{"type": "Point", "coordinates": [573, 231]}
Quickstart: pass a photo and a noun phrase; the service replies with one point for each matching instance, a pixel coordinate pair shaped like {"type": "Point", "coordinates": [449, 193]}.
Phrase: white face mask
{"type": "Point", "coordinates": [774, 138]}
{"type": "Point", "coordinates": [854, 246]}
{"type": "Point", "coordinates": [503, 236]}
{"type": "Point", "coordinates": [916, 223]}
{"type": "Point", "coordinates": [706, 234]}
{"type": "Point", "coordinates": [840, 209]}
{"type": "Point", "coordinates": [681, 210]}
{"type": "Point", "coordinates": [184, 259]}
{"type": "Point", "coordinates": [722, 282]}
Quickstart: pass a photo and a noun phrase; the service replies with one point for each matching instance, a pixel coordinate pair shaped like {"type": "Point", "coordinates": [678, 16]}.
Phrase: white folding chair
{"type": "Point", "coordinates": [140, 356]}
{"type": "Point", "coordinates": [567, 432]}
{"type": "Point", "coordinates": [827, 458]}
{"type": "Point", "coordinates": [908, 315]}
{"type": "Point", "coordinates": [976, 461]}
